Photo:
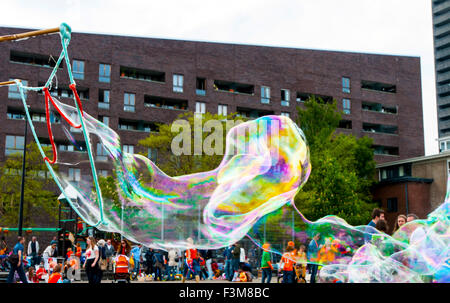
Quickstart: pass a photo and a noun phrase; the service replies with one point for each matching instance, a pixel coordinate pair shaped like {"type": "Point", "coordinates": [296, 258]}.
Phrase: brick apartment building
{"type": "Point", "coordinates": [131, 83]}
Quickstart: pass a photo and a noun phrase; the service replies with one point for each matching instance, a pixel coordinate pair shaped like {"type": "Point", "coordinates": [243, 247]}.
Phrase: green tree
{"type": "Point", "coordinates": [40, 200]}
{"type": "Point", "coordinates": [343, 168]}
{"type": "Point", "coordinates": [175, 165]}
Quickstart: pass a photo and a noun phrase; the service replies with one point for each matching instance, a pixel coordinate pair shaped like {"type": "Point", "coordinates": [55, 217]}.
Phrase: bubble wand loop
{"type": "Point", "coordinates": [65, 34]}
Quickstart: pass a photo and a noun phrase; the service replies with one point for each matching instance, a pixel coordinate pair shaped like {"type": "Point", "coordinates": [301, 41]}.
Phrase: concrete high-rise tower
{"type": "Point", "coordinates": [441, 30]}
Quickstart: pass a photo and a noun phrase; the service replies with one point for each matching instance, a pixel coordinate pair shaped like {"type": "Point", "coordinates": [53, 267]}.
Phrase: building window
{"type": "Point", "coordinates": [346, 106]}
{"type": "Point", "coordinates": [346, 85]}
{"type": "Point", "coordinates": [78, 69]}
{"type": "Point", "coordinates": [152, 154]}
{"type": "Point", "coordinates": [102, 154]}
{"type": "Point", "coordinates": [222, 110]}
{"type": "Point", "coordinates": [286, 114]}
{"type": "Point", "coordinates": [103, 98]}
{"type": "Point", "coordinates": [200, 86]}
{"type": "Point", "coordinates": [103, 173]}
{"type": "Point", "coordinates": [65, 147]}
{"type": "Point", "coordinates": [14, 144]}
{"type": "Point", "coordinates": [265, 94]}
{"type": "Point", "coordinates": [104, 73]}
{"type": "Point", "coordinates": [178, 83]}
{"type": "Point", "coordinates": [13, 90]}
{"type": "Point", "coordinates": [128, 102]}
{"type": "Point", "coordinates": [200, 107]}
{"type": "Point", "coordinates": [392, 205]}
{"type": "Point", "coordinates": [128, 149]}
{"type": "Point", "coordinates": [401, 171]}
{"type": "Point", "coordinates": [74, 174]}
{"type": "Point", "coordinates": [104, 120]}
{"type": "Point", "coordinates": [285, 96]}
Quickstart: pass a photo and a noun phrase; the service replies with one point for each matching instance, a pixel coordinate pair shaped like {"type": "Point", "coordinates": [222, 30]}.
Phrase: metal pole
{"type": "Point", "coordinates": [29, 34]}
{"type": "Point", "coordinates": [22, 188]}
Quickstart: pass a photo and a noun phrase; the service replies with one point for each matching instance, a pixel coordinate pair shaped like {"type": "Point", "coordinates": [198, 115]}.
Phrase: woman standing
{"type": "Point", "coordinates": [401, 220]}
{"type": "Point", "coordinates": [91, 262]}
{"type": "Point", "coordinates": [124, 248]}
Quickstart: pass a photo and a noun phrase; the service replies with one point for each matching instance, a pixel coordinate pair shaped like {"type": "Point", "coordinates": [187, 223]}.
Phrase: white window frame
{"type": "Point", "coordinates": [128, 102]}
{"type": "Point", "coordinates": [104, 74]}
{"type": "Point", "coordinates": [265, 94]}
{"type": "Point", "coordinates": [287, 94]}
{"type": "Point", "coordinates": [200, 107]}
{"type": "Point", "coordinates": [16, 147]}
{"type": "Point", "coordinates": [74, 174]}
{"type": "Point", "coordinates": [178, 81]}
{"type": "Point", "coordinates": [222, 109]}
{"type": "Point", "coordinates": [127, 148]}
{"type": "Point", "coordinates": [76, 66]}
{"type": "Point", "coordinates": [14, 92]}
{"type": "Point", "coordinates": [345, 87]}
{"type": "Point", "coordinates": [346, 109]}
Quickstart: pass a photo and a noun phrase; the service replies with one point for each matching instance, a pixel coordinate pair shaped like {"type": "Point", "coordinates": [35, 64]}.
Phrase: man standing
{"type": "Point", "coordinates": [313, 251]}
{"type": "Point", "coordinates": [377, 215]}
{"type": "Point", "coordinates": [16, 261]}
{"type": "Point", "coordinates": [236, 259]}
{"type": "Point", "coordinates": [33, 251]}
{"type": "Point", "coordinates": [109, 253]}
{"type": "Point", "coordinates": [228, 265]}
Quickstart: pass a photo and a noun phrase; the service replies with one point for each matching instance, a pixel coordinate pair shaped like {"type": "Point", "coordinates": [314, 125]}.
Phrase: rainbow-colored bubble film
{"type": "Point", "coordinates": [249, 194]}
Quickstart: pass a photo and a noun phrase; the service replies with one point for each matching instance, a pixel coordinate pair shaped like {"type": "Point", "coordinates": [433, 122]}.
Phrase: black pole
{"type": "Point", "coordinates": [23, 178]}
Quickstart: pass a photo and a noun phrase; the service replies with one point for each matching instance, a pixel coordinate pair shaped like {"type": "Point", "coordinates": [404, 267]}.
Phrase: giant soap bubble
{"type": "Point", "coordinates": [266, 163]}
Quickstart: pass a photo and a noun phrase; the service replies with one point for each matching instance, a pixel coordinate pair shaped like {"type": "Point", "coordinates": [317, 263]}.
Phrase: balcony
{"type": "Point", "coordinates": [142, 74]}
{"type": "Point", "coordinates": [443, 66]}
{"type": "Point", "coordinates": [379, 108]}
{"type": "Point", "coordinates": [443, 90]}
{"type": "Point", "coordinates": [234, 87]}
{"type": "Point", "coordinates": [443, 78]}
{"type": "Point", "coordinates": [385, 150]}
{"type": "Point", "coordinates": [33, 59]}
{"type": "Point", "coordinates": [442, 42]}
{"type": "Point", "coordinates": [251, 113]}
{"type": "Point", "coordinates": [441, 20]}
{"type": "Point", "coordinates": [167, 103]}
{"type": "Point", "coordinates": [380, 129]}
{"type": "Point", "coordinates": [442, 31]}
{"type": "Point", "coordinates": [135, 125]}
{"type": "Point", "coordinates": [302, 97]}
{"type": "Point", "coordinates": [443, 54]}
{"type": "Point", "coordinates": [443, 100]}
{"type": "Point", "coordinates": [378, 86]}
{"type": "Point", "coordinates": [441, 8]}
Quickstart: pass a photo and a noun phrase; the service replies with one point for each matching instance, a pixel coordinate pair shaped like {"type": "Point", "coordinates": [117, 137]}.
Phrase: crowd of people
{"type": "Point", "coordinates": [100, 258]}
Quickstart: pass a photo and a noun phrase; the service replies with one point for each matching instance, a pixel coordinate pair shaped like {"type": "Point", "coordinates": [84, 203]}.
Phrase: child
{"type": "Point", "coordinates": [56, 276]}
{"type": "Point", "coordinates": [300, 269]}
{"type": "Point", "coordinates": [31, 275]}
{"type": "Point", "coordinates": [266, 265]}
{"type": "Point", "coordinates": [242, 276]}
{"type": "Point", "coordinates": [41, 271]}
{"type": "Point", "coordinates": [69, 253]}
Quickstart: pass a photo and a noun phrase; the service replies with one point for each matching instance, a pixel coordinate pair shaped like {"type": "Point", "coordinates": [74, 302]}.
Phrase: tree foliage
{"type": "Point", "coordinates": [175, 165]}
{"type": "Point", "coordinates": [40, 200]}
{"type": "Point", "coordinates": [342, 167]}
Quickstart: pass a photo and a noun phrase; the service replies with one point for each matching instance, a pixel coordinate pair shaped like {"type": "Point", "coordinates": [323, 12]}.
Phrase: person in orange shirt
{"type": "Point", "coordinates": [56, 276]}
{"type": "Point", "coordinates": [301, 264]}
{"type": "Point", "coordinates": [287, 265]}
{"type": "Point", "coordinates": [327, 252]}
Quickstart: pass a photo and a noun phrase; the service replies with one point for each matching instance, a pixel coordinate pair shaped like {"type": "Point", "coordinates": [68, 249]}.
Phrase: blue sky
{"type": "Point", "coordinates": [396, 27]}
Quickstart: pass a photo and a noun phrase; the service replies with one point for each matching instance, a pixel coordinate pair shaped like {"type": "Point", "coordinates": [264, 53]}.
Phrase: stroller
{"type": "Point", "coordinates": [121, 272]}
